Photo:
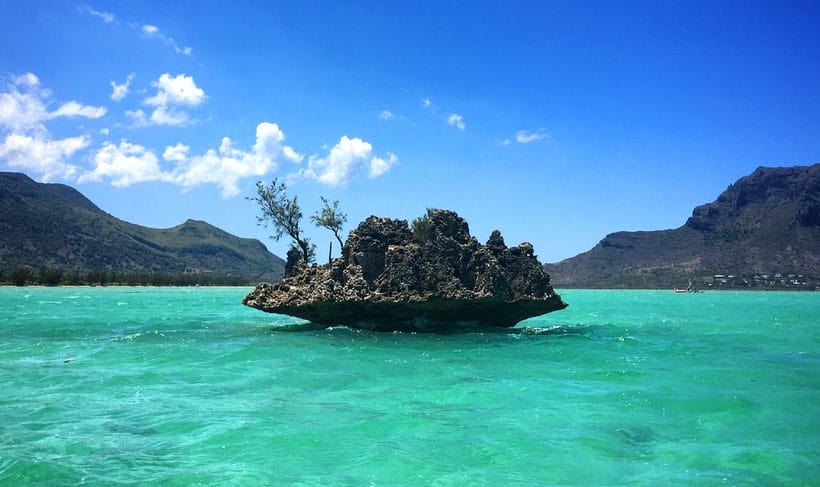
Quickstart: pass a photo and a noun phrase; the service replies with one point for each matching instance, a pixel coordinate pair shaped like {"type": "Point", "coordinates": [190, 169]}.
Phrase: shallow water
{"type": "Point", "coordinates": [185, 386]}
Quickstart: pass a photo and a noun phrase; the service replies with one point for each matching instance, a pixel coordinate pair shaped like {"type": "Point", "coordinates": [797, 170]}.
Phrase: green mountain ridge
{"type": "Point", "coordinates": [763, 225]}
{"type": "Point", "coordinates": [56, 226]}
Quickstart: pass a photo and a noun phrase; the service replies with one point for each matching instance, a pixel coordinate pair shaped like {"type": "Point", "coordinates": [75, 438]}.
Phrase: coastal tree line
{"type": "Point", "coordinates": [48, 276]}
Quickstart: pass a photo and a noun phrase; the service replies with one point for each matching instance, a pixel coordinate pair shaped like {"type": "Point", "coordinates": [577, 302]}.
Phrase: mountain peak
{"type": "Point", "coordinates": [792, 190]}
{"type": "Point", "coordinates": [766, 222]}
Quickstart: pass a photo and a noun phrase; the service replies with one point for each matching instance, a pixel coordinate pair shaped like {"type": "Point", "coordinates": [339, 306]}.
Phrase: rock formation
{"type": "Point", "coordinates": [390, 279]}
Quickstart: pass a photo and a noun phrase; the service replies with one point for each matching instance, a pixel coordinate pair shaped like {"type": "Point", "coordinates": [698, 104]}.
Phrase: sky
{"type": "Point", "coordinates": [554, 122]}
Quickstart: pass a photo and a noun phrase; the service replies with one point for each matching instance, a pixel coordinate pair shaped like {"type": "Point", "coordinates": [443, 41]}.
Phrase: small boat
{"type": "Point", "coordinates": [688, 289]}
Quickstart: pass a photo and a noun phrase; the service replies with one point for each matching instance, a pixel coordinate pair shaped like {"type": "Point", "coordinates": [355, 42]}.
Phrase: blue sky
{"type": "Point", "coordinates": [555, 122]}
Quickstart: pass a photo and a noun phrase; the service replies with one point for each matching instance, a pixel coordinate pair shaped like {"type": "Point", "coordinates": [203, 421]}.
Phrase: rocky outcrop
{"type": "Point", "coordinates": [389, 279]}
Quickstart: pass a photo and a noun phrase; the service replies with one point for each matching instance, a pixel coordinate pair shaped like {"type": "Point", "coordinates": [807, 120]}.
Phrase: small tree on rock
{"type": "Point", "coordinates": [332, 218]}
{"type": "Point", "coordinates": [283, 214]}
{"type": "Point", "coordinates": [421, 227]}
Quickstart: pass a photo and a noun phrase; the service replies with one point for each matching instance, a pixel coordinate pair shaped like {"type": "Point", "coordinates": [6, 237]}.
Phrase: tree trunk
{"type": "Point", "coordinates": [305, 251]}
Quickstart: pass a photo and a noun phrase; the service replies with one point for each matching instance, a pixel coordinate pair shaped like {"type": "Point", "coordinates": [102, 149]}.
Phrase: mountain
{"type": "Point", "coordinates": [55, 226]}
{"type": "Point", "coordinates": [765, 224]}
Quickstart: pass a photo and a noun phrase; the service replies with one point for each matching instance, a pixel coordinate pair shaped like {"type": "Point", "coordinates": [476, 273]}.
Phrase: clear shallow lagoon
{"type": "Point", "coordinates": [186, 386]}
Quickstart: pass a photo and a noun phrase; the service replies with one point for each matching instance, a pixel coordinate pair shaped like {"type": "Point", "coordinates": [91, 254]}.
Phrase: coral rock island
{"type": "Point", "coordinates": [392, 278]}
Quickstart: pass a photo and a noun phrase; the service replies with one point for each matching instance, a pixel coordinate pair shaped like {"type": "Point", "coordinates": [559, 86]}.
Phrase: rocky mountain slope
{"type": "Point", "coordinates": [55, 226]}
{"type": "Point", "coordinates": [766, 223]}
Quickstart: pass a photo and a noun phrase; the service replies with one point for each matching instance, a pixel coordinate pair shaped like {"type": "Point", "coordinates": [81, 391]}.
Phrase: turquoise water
{"type": "Point", "coordinates": [117, 386]}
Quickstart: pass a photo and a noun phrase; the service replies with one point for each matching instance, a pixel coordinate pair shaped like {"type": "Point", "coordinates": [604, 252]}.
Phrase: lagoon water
{"type": "Point", "coordinates": [185, 386]}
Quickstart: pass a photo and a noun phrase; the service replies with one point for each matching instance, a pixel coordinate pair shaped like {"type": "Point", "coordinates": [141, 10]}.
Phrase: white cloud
{"type": "Point", "coordinates": [525, 137]}
{"type": "Point", "coordinates": [152, 32]}
{"type": "Point", "coordinates": [21, 111]}
{"type": "Point", "coordinates": [40, 154]}
{"type": "Point", "coordinates": [121, 91]}
{"type": "Point", "coordinates": [179, 90]}
{"type": "Point", "coordinates": [386, 115]}
{"type": "Point", "coordinates": [124, 165]}
{"type": "Point", "coordinates": [104, 16]}
{"type": "Point", "coordinates": [74, 109]}
{"type": "Point", "coordinates": [456, 120]}
{"type": "Point", "coordinates": [27, 143]}
{"type": "Point", "coordinates": [426, 103]}
{"type": "Point", "coordinates": [104, 131]}
{"type": "Point", "coordinates": [27, 79]}
{"type": "Point", "coordinates": [129, 163]}
{"type": "Point", "coordinates": [379, 166]}
{"type": "Point", "coordinates": [177, 153]}
{"type": "Point", "coordinates": [168, 116]}
{"type": "Point", "coordinates": [27, 109]}
{"type": "Point", "coordinates": [291, 154]}
{"type": "Point", "coordinates": [227, 165]}
{"type": "Point", "coordinates": [347, 159]}
{"type": "Point", "coordinates": [138, 117]}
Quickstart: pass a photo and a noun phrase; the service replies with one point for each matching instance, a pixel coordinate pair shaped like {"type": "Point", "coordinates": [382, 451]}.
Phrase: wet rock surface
{"type": "Point", "coordinates": [388, 279]}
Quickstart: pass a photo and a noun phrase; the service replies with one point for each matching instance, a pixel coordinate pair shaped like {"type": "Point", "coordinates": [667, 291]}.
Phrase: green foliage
{"type": "Point", "coordinates": [21, 276]}
{"type": "Point", "coordinates": [50, 277]}
{"type": "Point", "coordinates": [421, 228]}
{"type": "Point", "coordinates": [282, 213]}
{"type": "Point", "coordinates": [331, 217]}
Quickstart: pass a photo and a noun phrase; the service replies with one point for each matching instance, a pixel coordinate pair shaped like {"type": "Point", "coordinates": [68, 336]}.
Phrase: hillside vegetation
{"type": "Point", "coordinates": [54, 226]}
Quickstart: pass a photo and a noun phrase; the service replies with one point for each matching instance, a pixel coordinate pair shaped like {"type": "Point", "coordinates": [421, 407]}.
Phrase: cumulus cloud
{"type": "Point", "coordinates": [138, 118]}
{"type": "Point", "coordinates": [347, 159]}
{"type": "Point", "coordinates": [386, 115]}
{"type": "Point", "coordinates": [172, 92]}
{"type": "Point", "coordinates": [426, 103]}
{"type": "Point", "coordinates": [179, 90]}
{"type": "Point", "coordinates": [124, 164]}
{"type": "Point", "coordinates": [169, 116]}
{"type": "Point", "coordinates": [26, 142]}
{"type": "Point", "coordinates": [121, 91]}
{"type": "Point", "coordinates": [456, 120]}
{"type": "Point", "coordinates": [23, 106]}
{"type": "Point", "coordinates": [226, 166]}
{"type": "Point", "coordinates": [41, 154]}
{"type": "Point", "coordinates": [379, 166]}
